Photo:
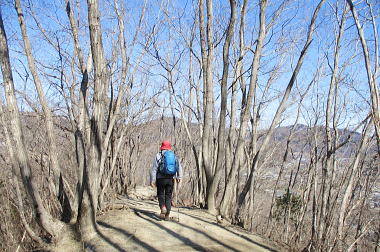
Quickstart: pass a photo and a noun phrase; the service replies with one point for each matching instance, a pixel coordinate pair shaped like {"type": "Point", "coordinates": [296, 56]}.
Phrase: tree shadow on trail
{"type": "Point", "coordinates": [235, 233]}
{"type": "Point", "coordinates": [136, 202]}
{"type": "Point", "coordinates": [186, 241]}
{"type": "Point", "coordinates": [128, 237]}
{"type": "Point", "coordinates": [106, 239]}
{"type": "Point", "coordinates": [147, 213]}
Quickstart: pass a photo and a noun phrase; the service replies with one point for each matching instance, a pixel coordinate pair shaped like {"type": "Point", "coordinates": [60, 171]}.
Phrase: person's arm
{"type": "Point", "coordinates": [153, 172]}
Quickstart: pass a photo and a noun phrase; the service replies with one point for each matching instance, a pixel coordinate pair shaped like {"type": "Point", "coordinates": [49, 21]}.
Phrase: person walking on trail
{"type": "Point", "coordinates": [165, 169]}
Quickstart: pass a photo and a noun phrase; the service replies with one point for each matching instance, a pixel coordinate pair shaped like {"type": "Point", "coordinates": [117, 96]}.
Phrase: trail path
{"type": "Point", "coordinates": [138, 228]}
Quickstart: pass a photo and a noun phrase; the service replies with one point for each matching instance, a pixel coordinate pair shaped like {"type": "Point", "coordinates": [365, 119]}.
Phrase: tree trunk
{"type": "Point", "coordinates": [46, 221]}
{"type": "Point", "coordinates": [53, 151]}
{"type": "Point", "coordinates": [223, 108]}
{"type": "Point", "coordinates": [282, 104]}
{"type": "Point", "coordinates": [375, 98]}
{"type": "Point", "coordinates": [330, 146]}
{"type": "Point", "coordinates": [350, 185]}
{"type": "Point", "coordinates": [207, 51]}
{"type": "Point", "coordinates": [15, 180]}
{"type": "Point", "coordinates": [91, 180]}
{"type": "Point", "coordinates": [231, 179]}
{"type": "Point", "coordinates": [80, 133]}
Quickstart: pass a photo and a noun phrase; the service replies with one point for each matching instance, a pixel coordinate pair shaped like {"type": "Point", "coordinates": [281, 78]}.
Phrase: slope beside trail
{"type": "Point", "coordinates": [137, 227]}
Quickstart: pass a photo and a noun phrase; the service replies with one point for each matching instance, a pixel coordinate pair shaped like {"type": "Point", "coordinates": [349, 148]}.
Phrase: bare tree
{"type": "Point", "coordinates": [372, 76]}
{"type": "Point", "coordinates": [207, 52]}
{"type": "Point", "coordinates": [349, 187]}
{"type": "Point", "coordinates": [53, 151]}
{"type": "Point", "coordinates": [222, 115]}
{"type": "Point", "coordinates": [329, 160]}
{"type": "Point", "coordinates": [15, 179]}
{"type": "Point", "coordinates": [47, 222]}
{"type": "Point", "coordinates": [231, 177]}
{"type": "Point", "coordinates": [253, 162]}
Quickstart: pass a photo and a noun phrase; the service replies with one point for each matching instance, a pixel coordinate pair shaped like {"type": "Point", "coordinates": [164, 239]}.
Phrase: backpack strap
{"type": "Point", "coordinates": [160, 161]}
{"type": "Point", "coordinates": [161, 157]}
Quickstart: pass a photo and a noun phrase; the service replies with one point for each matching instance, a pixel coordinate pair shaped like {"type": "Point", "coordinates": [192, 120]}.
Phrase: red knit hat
{"type": "Point", "coordinates": [166, 145]}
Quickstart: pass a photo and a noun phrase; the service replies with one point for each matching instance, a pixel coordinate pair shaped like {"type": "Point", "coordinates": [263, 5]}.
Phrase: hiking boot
{"type": "Point", "coordinates": [167, 217]}
{"type": "Point", "coordinates": [163, 210]}
{"type": "Point", "coordinates": [163, 213]}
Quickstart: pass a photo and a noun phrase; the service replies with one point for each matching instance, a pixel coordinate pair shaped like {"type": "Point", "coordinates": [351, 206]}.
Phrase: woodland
{"type": "Point", "coordinates": [272, 107]}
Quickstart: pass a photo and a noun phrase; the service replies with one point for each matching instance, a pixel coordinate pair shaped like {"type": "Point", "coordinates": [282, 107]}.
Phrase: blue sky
{"type": "Point", "coordinates": [284, 42]}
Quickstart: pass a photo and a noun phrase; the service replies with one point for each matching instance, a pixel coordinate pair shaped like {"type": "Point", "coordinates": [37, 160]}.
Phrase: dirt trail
{"type": "Point", "coordinates": [138, 228]}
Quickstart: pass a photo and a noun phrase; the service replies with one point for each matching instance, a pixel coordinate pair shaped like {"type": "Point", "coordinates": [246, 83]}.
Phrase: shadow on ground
{"type": "Point", "coordinates": [140, 229]}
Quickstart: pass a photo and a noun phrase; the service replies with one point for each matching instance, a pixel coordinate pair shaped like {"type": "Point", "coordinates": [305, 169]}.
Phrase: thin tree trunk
{"type": "Point", "coordinates": [375, 98]}
{"type": "Point", "coordinates": [329, 159]}
{"type": "Point", "coordinates": [349, 188]}
{"type": "Point", "coordinates": [282, 104]}
{"type": "Point", "coordinates": [46, 221]}
{"type": "Point", "coordinates": [53, 151]}
{"type": "Point", "coordinates": [14, 164]}
{"type": "Point", "coordinates": [113, 165]}
{"type": "Point", "coordinates": [231, 179]}
{"type": "Point", "coordinates": [124, 87]}
{"type": "Point", "coordinates": [229, 154]}
{"type": "Point", "coordinates": [223, 108]}
{"type": "Point", "coordinates": [80, 133]}
{"type": "Point", "coordinates": [207, 51]}
{"type": "Point", "coordinates": [89, 197]}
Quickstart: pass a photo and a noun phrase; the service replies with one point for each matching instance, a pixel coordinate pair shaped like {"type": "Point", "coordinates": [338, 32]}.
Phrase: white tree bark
{"type": "Point", "coordinates": [329, 160]}
{"type": "Point", "coordinates": [46, 221]}
{"type": "Point", "coordinates": [349, 187]}
{"type": "Point", "coordinates": [223, 108]}
{"type": "Point", "coordinates": [372, 78]}
{"type": "Point", "coordinates": [207, 51]}
{"type": "Point", "coordinates": [53, 151]}
{"type": "Point", "coordinates": [282, 104]}
{"type": "Point", "coordinates": [231, 179]}
{"type": "Point", "coordinates": [90, 184]}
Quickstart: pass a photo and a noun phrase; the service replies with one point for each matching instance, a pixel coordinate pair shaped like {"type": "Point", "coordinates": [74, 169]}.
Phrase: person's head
{"type": "Point", "coordinates": [166, 145]}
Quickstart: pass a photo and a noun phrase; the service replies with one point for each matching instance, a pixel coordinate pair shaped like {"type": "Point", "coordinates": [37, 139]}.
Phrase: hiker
{"type": "Point", "coordinates": [165, 169]}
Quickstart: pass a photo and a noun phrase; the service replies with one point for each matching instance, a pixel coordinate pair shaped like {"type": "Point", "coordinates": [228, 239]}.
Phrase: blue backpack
{"type": "Point", "coordinates": [168, 163]}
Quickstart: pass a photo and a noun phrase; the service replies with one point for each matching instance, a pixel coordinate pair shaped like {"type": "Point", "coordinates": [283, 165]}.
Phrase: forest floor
{"type": "Point", "coordinates": [134, 225]}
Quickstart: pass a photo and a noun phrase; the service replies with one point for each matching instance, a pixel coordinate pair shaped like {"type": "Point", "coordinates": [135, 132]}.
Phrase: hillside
{"type": "Point", "coordinates": [132, 225]}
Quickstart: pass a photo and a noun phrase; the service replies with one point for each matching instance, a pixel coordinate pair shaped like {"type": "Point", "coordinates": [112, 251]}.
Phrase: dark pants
{"type": "Point", "coordinates": [164, 192]}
